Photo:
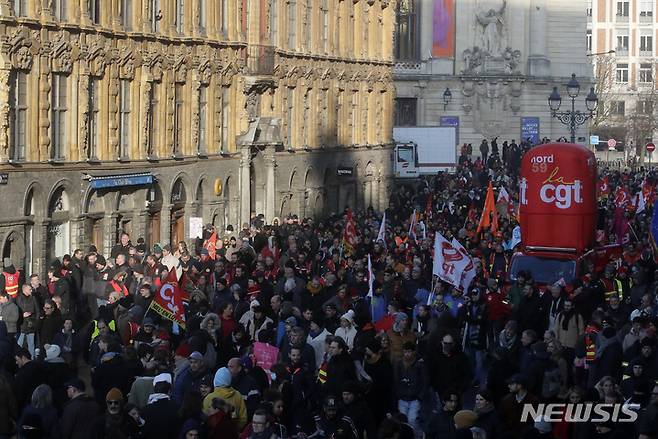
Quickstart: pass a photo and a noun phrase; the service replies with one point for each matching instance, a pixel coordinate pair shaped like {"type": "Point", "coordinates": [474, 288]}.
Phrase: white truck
{"type": "Point", "coordinates": [424, 150]}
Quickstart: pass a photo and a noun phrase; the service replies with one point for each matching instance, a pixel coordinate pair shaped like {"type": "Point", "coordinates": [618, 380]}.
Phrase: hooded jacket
{"type": "Point", "coordinates": [222, 383]}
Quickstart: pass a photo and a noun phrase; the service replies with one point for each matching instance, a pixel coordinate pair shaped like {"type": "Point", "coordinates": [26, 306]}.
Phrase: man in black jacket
{"type": "Point", "coordinates": [79, 413]}
{"type": "Point", "coordinates": [449, 367]}
{"type": "Point", "coordinates": [161, 413]}
{"type": "Point", "coordinates": [244, 384]}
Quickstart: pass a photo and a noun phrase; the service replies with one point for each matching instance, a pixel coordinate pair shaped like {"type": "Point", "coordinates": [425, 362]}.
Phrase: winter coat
{"type": "Point", "coordinates": [28, 304]}
{"type": "Point", "coordinates": [317, 343]}
{"type": "Point", "coordinates": [573, 334]}
{"type": "Point", "coordinates": [397, 340]}
{"type": "Point", "coordinates": [347, 334]}
{"type": "Point", "coordinates": [27, 379]}
{"type": "Point", "coordinates": [9, 315]}
{"type": "Point", "coordinates": [448, 371]}
{"type": "Point", "coordinates": [234, 398]}
{"type": "Point", "coordinates": [49, 326]}
{"type": "Point", "coordinates": [161, 419]}
{"type": "Point", "coordinates": [48, 417]}
{"type": "Point", "coordinates": [78, 417]}
{"type": "Point", "coordinates": [8, 411]}
{"type": "Point", "coordinates": [410, 380]}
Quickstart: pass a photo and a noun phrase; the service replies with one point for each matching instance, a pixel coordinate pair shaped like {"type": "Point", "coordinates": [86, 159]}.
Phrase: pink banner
{"type": "Point", "coordinates": [265, 354]}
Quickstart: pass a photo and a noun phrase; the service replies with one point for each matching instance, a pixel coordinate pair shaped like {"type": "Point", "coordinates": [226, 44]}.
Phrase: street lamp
{"type": "Point", "coordinates": [574, 118]}
{"type": "Point", "coordinates": [447, 97]}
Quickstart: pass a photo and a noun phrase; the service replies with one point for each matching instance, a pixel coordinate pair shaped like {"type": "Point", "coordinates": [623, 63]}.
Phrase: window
{"type": "Point", "coordinates": [94, 111]}
{"type": "Point", "coordinates": [94, 8]}
{"type": "Point", "coordinates": [58, 9]}
{"type": "Point", "coordinates": [58, 115]}
{"type": "Point", "coordinates": [622, 8]}
{"type": "Point", "coordinates": [291, 117]}
{"type": "Point", "coordinates": [18, 115]}
{"type": "Point", "coordinates": [646, 73]}
{"type": "Point", "coordinates": [203, 115]}
{"type": "Point", "coordinates": [618, 108]}
{"type": "Point", "coordinates": [405, 112]}
{"type": "Point", "coordinates": [325, 26]}
{"type": "Point", "coordinates": [646, 11]}
{"type": "Point", "coordinates": [621, 73]}
{"type": "Point", "coordinates": [292, 25]}
{"type": "Point", "coordinates": [646, 44]}
{"type": "Point", "coordinates": [202, 15]}
{"type": "Point", "coordinates": [178, 117]}
{"type": "Point", "coordinates": [153, 117]}
{"type": "Point", "coordinates": [126, 14]}
{"type": "Point", "coordinates": [20, 8]}
{"type": "Point", "coordinates": [225, 118]}
{"type": "Point", "coordinates": [645, 107]}
{"type": "Point", "coordinates": [178, 17]}
{"type": "Point", "coordinates": [156, 15]}
{"type": "Point", "coordinates": [622, 42]}
{"type": "Point", "coordinates": [224, 17]}
{"type": "Point", "coordinates": [274, 22]}
{"type": "Point", "coordinates": [589, 8]}
{"type": "Point", "coordinates": [589, 40]}
{"type": "Point", "coordinates": [124, 119]}
{"type": "Point", "coordinates": [406, 38]}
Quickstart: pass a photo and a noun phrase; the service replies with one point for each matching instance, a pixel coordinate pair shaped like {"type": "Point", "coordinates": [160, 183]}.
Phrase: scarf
{"type": "Point", "coordinates": [506, 342]}
{"type": "Point", "coordinates": [566, 317]}
{"type": "Point", "coordinates": [153, 397]}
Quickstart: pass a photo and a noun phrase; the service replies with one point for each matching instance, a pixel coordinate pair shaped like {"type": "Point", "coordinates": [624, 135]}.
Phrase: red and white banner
{"type": "Point", "coordinates": [449, 262]}
{"type": "Point", "coordinates": [349, 235]}
{"type": "Point", "coordinates": [211, 245]}
{"type": "Point", "coordinates": [169, 301]}
{"type": "Point", "coordinates": [469, 271]}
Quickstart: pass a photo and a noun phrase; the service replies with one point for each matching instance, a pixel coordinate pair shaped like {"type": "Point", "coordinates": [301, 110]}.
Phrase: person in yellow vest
{"type": "Point", "coordinates": [10, 279]}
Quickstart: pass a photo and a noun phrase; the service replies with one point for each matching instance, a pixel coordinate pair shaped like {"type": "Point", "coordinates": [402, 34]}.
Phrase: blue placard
{"type": "Point", "coordinates": [530, 129]}
{"type": "Point", "coordinates": [119, 181]}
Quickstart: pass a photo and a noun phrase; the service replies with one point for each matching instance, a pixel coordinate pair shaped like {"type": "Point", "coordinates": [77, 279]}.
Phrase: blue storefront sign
{"type": "Point", "coordinates": [530, 129]}
{"type": "Point", "coordinates": [450, 121]}
{"type": "Point", "coordinates": [111, 181]}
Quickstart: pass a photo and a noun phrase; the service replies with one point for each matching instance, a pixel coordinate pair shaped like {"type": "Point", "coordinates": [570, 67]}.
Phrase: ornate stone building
{"type": "Point", "coordinates": [152, 115]}
{"type": "Point", "coordinates": [499, 60]}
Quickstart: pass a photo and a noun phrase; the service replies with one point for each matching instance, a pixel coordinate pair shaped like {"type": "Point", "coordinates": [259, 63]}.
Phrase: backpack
{"type": "Point", "coordinates": [551, 383]}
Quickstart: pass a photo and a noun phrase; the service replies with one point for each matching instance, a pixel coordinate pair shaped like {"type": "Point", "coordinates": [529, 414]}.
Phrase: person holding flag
{"type": "Point", "coordinates": [489, 218]}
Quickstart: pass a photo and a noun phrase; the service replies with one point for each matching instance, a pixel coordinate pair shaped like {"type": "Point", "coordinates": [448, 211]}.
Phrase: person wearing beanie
{"type": "Point", "coordinates": [353, 406]}
{"type": "Point", "coordinates": [114, 422]}
{"type": "Point", "coordinates": [347, 330]}
{"type": "Point", "coordinates": [400, 334]}
{"type": "Point", "coordinates": [224, 391]}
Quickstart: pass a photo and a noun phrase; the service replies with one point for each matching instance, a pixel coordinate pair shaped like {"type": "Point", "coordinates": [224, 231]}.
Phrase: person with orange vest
{"type": "Point", "coordinates": [10, 279]}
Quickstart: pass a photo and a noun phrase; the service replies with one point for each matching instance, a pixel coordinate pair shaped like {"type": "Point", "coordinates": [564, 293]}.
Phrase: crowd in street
{"type": "Point", "coordinates": [289, 333]}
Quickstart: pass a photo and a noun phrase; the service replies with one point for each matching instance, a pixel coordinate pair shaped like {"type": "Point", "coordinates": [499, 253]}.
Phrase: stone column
{"type": "Point", "coordinates": [301, 196]}
{"type": "Point", "coordinates": [44, 109]}
{"type": "Point", "coordinates": [85, 18]}
{"type": "Point", "coordinates": [5, 10]}
{"type": "Point", "coordinates": [40, 239]}
{"type": "Point", "coordinates": [110, 225]}
{"type": "Point", "coordinates": [165, 224]}
{"type": "Point", "coordinates": [245, 185]}
{"type": "Point", "coordinates": [4, 114]}
{"type": "Point", "coordinates": [270, 189]}
{"type": "Point", "coordinates": [538, 62]}
{"type": "Point", "coordinates": [140, 223]}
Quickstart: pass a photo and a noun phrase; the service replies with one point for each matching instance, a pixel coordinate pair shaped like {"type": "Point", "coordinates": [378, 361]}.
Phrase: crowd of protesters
{"type": "Point", "coordinates": [84, 355]}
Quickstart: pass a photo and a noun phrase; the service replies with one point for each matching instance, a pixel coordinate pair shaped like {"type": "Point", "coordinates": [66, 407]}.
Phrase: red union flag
{"type": "Point", "coordinates": [602, 188]}
{"type": "Point", "coordinates": [622, 198]}
{"type": "Point", "coordinates": [349, 235]}
{"type": "Point", "coordinates": [211, 245]}
{"type": "Point", "coordinates": [169, 302]}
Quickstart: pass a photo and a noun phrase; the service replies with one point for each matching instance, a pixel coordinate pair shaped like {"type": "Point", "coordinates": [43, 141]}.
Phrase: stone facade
{"type": "Point", "coordinates": [213, 109]}
{"type": "Point", "coordinates": [508, 55]}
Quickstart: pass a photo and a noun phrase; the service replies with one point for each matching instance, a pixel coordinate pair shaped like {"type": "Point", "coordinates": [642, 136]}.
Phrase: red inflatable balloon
{"type": "Point", "coordinates": [558, 197]}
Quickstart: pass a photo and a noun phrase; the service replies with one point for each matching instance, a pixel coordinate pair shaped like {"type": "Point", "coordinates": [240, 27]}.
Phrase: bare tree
{"type": "Point", "coordinates": [605, 71]}
{"type": "Point", "coordinates": [641, 122]}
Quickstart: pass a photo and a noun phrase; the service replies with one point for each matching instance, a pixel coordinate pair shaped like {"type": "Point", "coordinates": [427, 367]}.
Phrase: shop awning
{"type": "Point", "coordinates": [110, 181]}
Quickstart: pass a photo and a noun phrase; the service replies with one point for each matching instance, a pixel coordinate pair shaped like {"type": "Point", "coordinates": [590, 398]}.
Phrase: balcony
{"type": "Point", "coordinates": [646, 17]}
{"type": "Point", "coordinates": [621, 51]}
{"type": "Point", "coordinates": [646, 53]}
{"type": "Point", "coordinates": [260, 60]}
{"type": "Point", "coordinates": [621, 18]}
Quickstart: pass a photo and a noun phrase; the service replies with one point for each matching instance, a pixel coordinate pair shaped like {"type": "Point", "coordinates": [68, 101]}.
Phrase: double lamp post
{"type": "Point", "coordinates": [573, 118]}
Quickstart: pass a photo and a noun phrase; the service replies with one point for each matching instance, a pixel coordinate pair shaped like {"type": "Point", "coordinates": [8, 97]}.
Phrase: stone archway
{"type": "Point", "coordinates": [59, 230]}
{"type": "Point", "coordinates": [14, 248]}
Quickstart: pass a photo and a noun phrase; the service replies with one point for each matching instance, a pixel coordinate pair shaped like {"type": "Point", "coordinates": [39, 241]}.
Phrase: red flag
{"type": "Point", "coordinates": [428, 206]}
{"type": "Point", "coordinates": [168, 302]}
{"type": "Point", "coordinates": [602, 188]}
{"type": "Point", "coordinates": [211, 245]}
{"type": "Point", "coordinates": [349, 235]}
{"type": "Point", "coordinates": [622, 198]}
{"type": "Point", "coordinates": [489, 218]}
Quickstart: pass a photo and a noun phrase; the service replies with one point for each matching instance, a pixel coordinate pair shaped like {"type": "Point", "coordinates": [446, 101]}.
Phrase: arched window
{"type": "Point", "coordinates": [406, 31]}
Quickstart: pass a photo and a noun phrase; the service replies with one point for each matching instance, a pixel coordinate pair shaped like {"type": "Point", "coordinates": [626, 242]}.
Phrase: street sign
{"type": "Point", "coordinates": [650, 147]}
{"type": "Point", "coordinates": [593, 140]}
{"type": "Point", "coordinates": [612, 143]}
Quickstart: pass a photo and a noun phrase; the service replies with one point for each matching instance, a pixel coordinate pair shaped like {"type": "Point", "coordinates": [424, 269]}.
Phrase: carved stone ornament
{"type": "Point", "coordinates": [127, 66]}
{"type": "Point", "coordinates": [181, 72]}
{"type": "Point", "coordinates": [205, 73]}
{"type": "Point", "coordinates": [62, 57]}
{"type": "Point", "coordinates": [491, 102]}
{"type": "Point", "coordinates": [22, 48]}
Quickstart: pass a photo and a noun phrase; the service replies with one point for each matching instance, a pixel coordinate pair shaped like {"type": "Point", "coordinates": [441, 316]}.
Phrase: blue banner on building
{"type": "Point", "coordinates": [530, 129]}
{"type": "Point", "coordinates": [111, 181]}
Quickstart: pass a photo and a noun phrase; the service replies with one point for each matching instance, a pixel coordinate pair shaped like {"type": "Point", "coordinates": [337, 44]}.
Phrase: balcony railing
{"type": "Point", "coordinates": [644, 52]}
{"type": "Point", "coordinates": [646, 17]}
{"type": "Point", "coordinates": [260, 59]}
{"type": "Point", "coordinates": [622, 51]}
{"type": "Point", "coordinates": [620, 18]}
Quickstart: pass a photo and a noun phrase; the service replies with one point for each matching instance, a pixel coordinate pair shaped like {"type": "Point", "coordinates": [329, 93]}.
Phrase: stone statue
{"type": "Point", "coordinates": [493, 29]}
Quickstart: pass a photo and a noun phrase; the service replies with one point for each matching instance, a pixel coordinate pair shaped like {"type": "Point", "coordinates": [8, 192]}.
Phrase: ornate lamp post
{"type": "Point", "coordinates": [447, 97]}
{"type": "Point", "coordinates": [574, 118]}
